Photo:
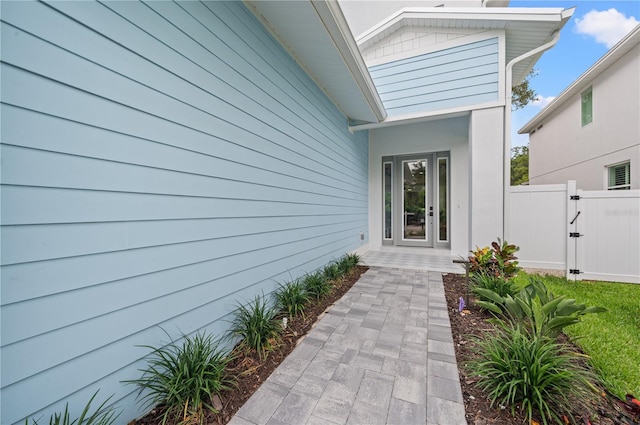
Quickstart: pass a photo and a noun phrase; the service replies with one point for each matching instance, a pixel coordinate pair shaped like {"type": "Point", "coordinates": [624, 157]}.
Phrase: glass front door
{"type": "Point", "coordinates": [414, 197]}
{"type": "Point", "coordinates": [413, 205]}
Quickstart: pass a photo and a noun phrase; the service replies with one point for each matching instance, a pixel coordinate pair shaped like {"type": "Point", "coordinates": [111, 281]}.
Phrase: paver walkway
{"type": "Point", "coordinates": [383, 354]}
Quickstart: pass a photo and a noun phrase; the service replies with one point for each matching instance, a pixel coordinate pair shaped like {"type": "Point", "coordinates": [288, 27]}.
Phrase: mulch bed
{"type": "Point", "coordinates": [464, 327]}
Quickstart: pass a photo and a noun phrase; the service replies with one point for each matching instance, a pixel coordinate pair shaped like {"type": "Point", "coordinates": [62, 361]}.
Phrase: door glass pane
{"type": "Point", "coordinates": [442, 200]}
{"type": "Point", "coordinates": [414, 197]}
{"type": "Point", "coordinates": [388, 200]}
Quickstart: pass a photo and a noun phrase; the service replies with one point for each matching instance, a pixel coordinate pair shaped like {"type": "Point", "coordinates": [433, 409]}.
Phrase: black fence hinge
{"type": "Point", "coordinates": [574, 197]}
{"type": "Point", "coordinates": [574, 235]}
{"type": "Point", "coordinates": [574, 271]}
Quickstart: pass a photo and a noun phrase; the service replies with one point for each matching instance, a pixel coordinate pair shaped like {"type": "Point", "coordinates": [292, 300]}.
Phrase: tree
{"type": "Point", "coordinates": [519, 165]}
{"type": "Point", "coordinates": [523, 94]}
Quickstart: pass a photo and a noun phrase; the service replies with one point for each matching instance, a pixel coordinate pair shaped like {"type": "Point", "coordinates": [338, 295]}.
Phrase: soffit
{"type": "Point", "coordinates": [317, 36]}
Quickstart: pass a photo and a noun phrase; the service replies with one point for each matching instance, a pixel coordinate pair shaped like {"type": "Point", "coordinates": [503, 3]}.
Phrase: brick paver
{"type": "Point", "coordinates": [383, 354]}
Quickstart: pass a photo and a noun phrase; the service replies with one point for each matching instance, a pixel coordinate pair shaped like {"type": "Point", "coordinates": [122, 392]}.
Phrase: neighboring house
{"type": "Point", "coordinates": [590, 133]}
{"type": "Point", "coordinates": [163, 161]}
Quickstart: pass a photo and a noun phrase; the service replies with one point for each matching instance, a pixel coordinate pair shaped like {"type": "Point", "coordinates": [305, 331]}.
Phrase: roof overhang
{"type": "Point", "coordinates": [317, 35]}
{"type": "Point", "coordinates": [525, 28]}
{"type": "Point", "coordinates": [623, 47]}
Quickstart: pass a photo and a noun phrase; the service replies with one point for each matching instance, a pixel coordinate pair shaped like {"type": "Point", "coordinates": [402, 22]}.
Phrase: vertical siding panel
{"type": "Point", "coordinates": [161, 163]}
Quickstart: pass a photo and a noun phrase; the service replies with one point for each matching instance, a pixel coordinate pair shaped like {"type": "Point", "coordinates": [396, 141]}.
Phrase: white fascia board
{"type": "Point", "coordinates": [583, 81]}
{"type": "Point", "coordinates": [496, 14]}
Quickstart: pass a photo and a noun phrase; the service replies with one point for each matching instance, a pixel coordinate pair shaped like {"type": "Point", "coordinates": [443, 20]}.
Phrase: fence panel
{"type": "Point", "coordinates": [609, 244]}
{"type": "Point", "coordinates": [538, 225]}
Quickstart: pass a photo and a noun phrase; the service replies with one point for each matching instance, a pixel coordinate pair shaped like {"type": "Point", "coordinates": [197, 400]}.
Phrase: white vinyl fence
{"type": "Point", "coordinates": [591, 235]}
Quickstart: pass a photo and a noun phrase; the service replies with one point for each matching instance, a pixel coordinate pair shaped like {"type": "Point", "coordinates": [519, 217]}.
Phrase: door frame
{"type": "Point", "coordinates": [392, 194]}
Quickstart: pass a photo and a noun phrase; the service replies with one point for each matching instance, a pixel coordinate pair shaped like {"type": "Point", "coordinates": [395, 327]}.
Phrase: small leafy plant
{"type": "Point", "coordinates": [101, 416]}
{"type": "Point", "coordinates": [316, 285]}
{"type": "Point", "coordinates": [496, 284]}
{"type": "Point", "coordinates": [536, 308]}
{"type": "Point", "coordinates": [292, 298]}
{"type": "Point", "coordinates": [256, 324]}
{"type": "Point", "coordinates": [184, 378]}
{"type": "Point", "coordinates": [529, 371]}
{"type": "Point", "coordinates": [497, 260]}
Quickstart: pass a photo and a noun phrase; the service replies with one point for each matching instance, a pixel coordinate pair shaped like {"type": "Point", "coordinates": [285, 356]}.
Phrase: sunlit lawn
{"type": "Point", "coordinates": [611, 339]}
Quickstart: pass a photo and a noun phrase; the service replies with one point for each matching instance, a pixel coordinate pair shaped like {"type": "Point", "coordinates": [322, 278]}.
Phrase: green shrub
{"type": "Point", "coordinates": [348, 263]}
{"type": "Point", "coordinates": [497, 260]}
{"type": "Point", "coordinates": [536, 308]}
{"type": "Point", "coordinates": [292, 298]}
{"type": "Point", "coordinates": [529, 371]}
{"type": "Point", "coordinates": [256, 324]}
{"type": "Point", "coordinates": [316, 285]}
{"type": "Point", "coordinates": [332, 272]}
{"type": "Point", "coordinates": [496, 284]}
{"type": "Point", "coordinates": [184, 378]}
{"type": "Point", "coordinates": [100, 416]}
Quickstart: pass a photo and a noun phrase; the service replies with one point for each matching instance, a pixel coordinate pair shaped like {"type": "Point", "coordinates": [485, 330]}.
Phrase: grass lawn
{"type": "Point", "coordinates": [611, 339]}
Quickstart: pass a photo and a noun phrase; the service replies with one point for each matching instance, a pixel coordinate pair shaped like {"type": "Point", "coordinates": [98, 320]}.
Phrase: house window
{"type": "Point", "coordinates": [587, 106]}
{"type": "Point", "coordinates": [388, 200]}
{"type": "Point", "coordinates": [619, 176]}
{"type": "Point", "coordinates": [443, 228]}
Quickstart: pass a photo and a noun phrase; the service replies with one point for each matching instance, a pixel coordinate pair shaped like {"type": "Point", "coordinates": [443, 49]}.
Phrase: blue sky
{"type": "Point", "coordinates": [594, 28]}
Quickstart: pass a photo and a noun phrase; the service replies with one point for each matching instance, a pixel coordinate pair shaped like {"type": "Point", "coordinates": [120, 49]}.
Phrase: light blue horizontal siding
{"type": "Point", "coordinates": [458, 76]}
{"type": "Point", "coordinates": [161, 162]}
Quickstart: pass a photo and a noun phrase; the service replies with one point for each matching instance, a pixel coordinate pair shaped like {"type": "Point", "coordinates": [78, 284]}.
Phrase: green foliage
{"type": "Point", "coordinates": [348, 263]}
{"type": "Point", "coordinates": [100, 416]}
{"type": "Point", "coordinates": [496, 284]}
{"type": "Point", "coordinates": [529, 371]}
{"type": "Point", "coordinates": [184, 378]}
{"type": "Point", "coordinates": [523, 94]}
{"type": "Point", "coordinates": [519, 165]}
{"type": "Point", "coordinates": [292, 298]}
{"type": "Point", "coordinates": [332, 272]}
{"type": "Point", "coordinates": [614, 357]}
{"type": "Point", "coordinates": [497, 260]}
{"type": "Point", "coordinates": [540, 312]}
{"type": "Point", "coordinates": [316, 285]}
{"type": "Point", "coordinates": [257, 325]}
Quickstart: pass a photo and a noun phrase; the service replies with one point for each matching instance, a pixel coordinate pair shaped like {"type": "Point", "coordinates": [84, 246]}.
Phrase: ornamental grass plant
{"type": "Point", "coordinates": [184, 378]}
{"type": "Point", "coordinates": [316, 285]}
{"type": "Point", "coordinates": [530, 372]}
{"type": "Point", "coordinates": [100, 416]}
{"type": "Point", "coordinates": [292, 298]}
{"type": "Point", "coordinates": [256, 324]}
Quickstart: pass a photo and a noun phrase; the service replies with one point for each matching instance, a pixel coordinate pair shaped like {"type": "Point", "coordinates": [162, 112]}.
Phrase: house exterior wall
{"type": "Point", "coordinates": [563, 150]}
{"type": "Point", "coordinates": [161, 162]}
{"type": "Point", "coordinates": [456, 76]}
{"type": "Point", "coordinates": [434, 136]}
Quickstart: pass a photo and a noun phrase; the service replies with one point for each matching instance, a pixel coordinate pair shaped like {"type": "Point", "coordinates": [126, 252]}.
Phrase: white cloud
{"type": "Point", "coordinates": [606, 26]}
{"type": "Point", "coordinates": [542, 101]}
